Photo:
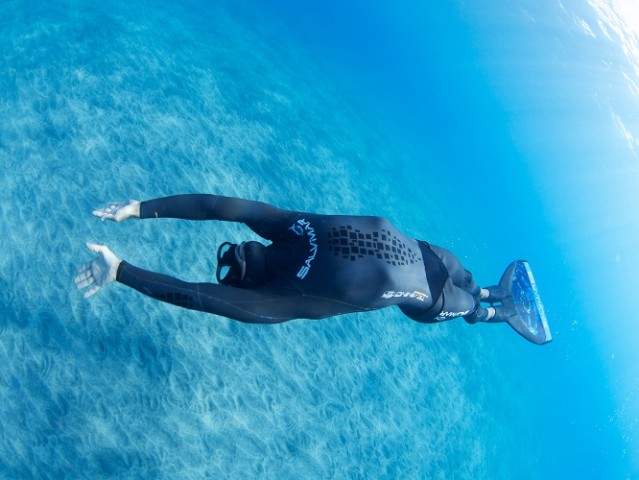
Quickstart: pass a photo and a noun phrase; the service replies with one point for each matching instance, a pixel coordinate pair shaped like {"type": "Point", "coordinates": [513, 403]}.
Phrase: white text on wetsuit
{"type": "Point", "coordinates": [416, 295]}
{"type": "Point", "coordinates": [299, 228]}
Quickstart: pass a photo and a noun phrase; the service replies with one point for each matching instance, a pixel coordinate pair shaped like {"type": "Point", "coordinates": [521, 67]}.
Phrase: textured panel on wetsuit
{"type": "Point", "coordinates": [351, 243]}
{"type": "Point", "coordinates": [179, 299]}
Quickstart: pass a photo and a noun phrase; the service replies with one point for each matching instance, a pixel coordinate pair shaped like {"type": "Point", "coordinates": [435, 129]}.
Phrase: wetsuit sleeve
{"type": "Point", "coordinates": [262, 218]}
{"type": "Point", "coordinates": [247, 306]}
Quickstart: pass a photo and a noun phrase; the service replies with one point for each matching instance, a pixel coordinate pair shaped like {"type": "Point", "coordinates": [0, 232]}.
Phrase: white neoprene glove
{"type": "Point", "coordinates": [119, 211]}
{"type": "Point", "coordinates": [99, 271]}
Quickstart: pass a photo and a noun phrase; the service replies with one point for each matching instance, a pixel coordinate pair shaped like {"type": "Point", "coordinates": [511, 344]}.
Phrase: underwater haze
{"type": "Point", "coordinates": [498, 129]}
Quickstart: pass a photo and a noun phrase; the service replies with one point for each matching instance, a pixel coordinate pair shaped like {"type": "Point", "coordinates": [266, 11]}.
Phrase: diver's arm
{"type": "Point", "coordinates": [244, 305]}
{"type": "Point", "coordinates": [196, 207]}
{"type": "Point", "coordinates": [266, 220]}
{"type": "Point", "coordinates": [207, 207]}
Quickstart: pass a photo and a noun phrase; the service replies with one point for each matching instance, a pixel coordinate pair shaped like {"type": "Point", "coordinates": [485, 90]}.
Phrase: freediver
{"type": "Point", "coordinates": [316, 266]}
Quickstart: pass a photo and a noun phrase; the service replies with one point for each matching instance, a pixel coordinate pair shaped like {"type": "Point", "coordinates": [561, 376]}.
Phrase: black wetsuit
{"type": "Point", "coordinates": [318, 266]}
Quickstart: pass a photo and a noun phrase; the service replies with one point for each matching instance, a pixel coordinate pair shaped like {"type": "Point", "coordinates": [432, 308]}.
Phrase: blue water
{"type": "Point", "coordinates": [500, 130]}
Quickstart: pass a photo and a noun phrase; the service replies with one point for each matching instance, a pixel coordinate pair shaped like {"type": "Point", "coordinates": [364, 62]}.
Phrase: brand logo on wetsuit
{"type": "Point", "coordinates": [416, 295]}
{"type": "Point", "coordinates": [444, 315]}
{"type": "Point", "coordinates": [299, 228]}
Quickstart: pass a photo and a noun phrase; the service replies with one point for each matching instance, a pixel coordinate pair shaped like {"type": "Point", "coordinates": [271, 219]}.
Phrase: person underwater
{"type": "Point", "coordinates": [315, 266]}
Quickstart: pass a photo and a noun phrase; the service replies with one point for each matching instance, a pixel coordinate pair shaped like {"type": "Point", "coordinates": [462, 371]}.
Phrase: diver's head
{"type": "Point", "coordinates": [242, 265]}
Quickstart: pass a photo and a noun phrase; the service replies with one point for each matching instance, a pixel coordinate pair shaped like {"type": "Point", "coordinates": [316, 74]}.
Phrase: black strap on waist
{"type": "Point", "coordinates": [436, 274]}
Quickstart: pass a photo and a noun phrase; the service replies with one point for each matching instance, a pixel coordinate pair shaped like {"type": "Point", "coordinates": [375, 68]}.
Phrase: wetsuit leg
{"type": "Point", "coordinates": [457, 302]}
{"type": "Point", "coordinates": [463, 280]}
{"type": "Point", "coordinates": [461, 277]}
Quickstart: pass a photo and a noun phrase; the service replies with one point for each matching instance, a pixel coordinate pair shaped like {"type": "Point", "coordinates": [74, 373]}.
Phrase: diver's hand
{"type": "Point", "coordinates": [119, 211]}
{"type": "Point", "coordinates": [99, 271]}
